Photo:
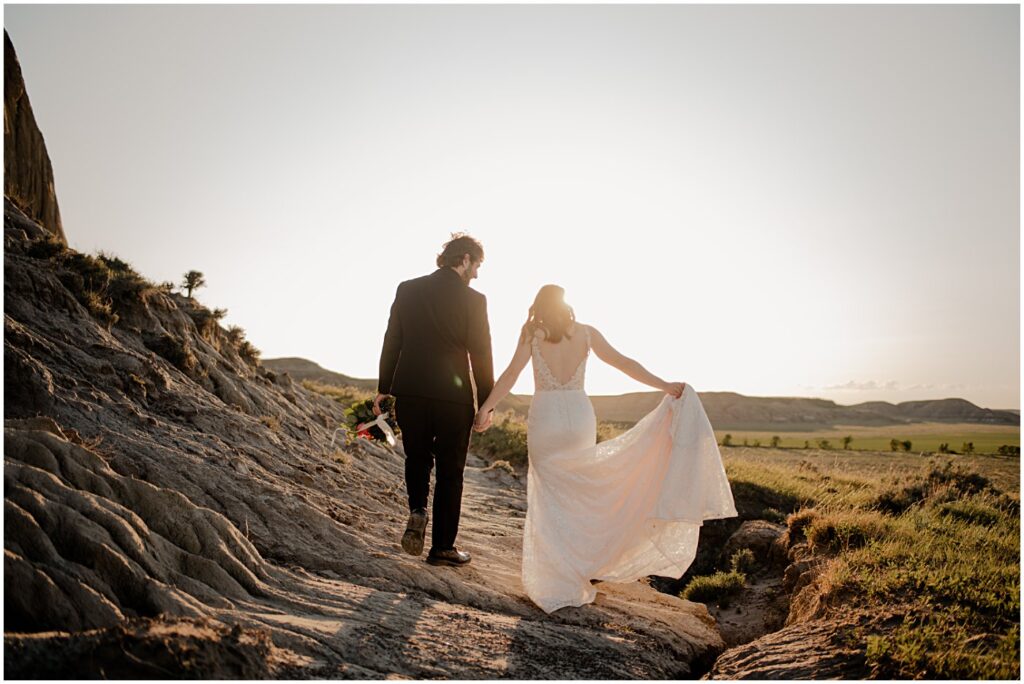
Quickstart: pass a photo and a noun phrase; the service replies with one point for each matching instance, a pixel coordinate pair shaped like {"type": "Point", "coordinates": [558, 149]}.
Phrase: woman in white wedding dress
{"type": "Point", "coordinates": [620, 510]}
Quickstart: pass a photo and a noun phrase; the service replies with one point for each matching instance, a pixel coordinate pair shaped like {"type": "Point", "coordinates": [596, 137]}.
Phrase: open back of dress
{"type": "Point", "coordinates": [619, 510]}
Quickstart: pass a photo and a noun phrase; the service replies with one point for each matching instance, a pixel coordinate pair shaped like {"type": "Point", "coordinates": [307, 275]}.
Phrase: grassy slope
{"type": "Point", "coordinates": [934, 546]}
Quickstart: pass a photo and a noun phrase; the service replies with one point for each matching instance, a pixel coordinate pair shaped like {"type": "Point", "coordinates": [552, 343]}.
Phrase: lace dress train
{"type": "Point", "coordinates": [620, 510]}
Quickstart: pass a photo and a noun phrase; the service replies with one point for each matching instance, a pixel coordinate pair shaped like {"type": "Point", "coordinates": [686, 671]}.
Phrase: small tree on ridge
{"type": "Point", "coordinates": [193, 280]}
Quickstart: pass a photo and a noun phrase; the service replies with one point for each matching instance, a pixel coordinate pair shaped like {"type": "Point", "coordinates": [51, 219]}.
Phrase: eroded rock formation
{"type": "Point", "coordinates": [28, 175]}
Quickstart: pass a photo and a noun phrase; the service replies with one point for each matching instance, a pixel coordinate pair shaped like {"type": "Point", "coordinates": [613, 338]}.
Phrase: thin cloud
{"type": "Point", "coordinates": [868, 385]}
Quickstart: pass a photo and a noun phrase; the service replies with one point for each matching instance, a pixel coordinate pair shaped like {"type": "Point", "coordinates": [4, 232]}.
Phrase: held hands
{"type": "Point", "coordinates": [675, 388]}
{"type": "Point", "coordinates": [376, 403]}
{"type": "Point", "coordinates": [483, 420]}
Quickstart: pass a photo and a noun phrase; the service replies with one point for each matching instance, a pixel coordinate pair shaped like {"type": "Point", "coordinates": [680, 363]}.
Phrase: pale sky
{"type": "Point", "coordinates": [773, 200]}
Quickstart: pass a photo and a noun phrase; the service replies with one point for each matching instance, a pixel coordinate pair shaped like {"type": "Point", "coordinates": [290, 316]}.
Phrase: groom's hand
{"type": "Point", "coordinates": [376, 403]}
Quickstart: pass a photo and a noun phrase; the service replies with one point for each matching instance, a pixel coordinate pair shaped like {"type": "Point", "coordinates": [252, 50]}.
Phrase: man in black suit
{"type": "Point", "coordinates": [438, 327]}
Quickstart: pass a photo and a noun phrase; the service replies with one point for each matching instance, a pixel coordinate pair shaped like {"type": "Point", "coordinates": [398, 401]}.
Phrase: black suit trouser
{"type": "Point", "coordinates": [435, 431]}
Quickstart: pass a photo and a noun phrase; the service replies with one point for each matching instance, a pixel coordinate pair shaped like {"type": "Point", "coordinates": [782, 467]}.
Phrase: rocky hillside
{"type": "Point", "coordinates": [161, 486]}
{"type": "Point", "coordinates": [28, 176]}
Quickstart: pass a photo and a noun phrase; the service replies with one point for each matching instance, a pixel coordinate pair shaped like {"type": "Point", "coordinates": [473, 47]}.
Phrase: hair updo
{"type": "Point", "coordinates": [550, 314]}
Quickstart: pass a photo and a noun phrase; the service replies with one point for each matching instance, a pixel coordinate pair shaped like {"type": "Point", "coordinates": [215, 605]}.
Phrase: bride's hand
{"type": "Point", "coordinates": [675, 389]}
{"type": "Point", "coordinates": [483, 420]}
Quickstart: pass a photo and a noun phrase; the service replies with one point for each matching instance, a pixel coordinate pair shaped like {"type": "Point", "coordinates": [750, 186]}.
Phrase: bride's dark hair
{"type": "Point", "coordinates": [549, 313]}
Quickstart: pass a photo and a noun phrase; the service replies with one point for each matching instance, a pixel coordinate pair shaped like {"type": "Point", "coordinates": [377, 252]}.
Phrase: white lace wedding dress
{"type": "Point", "coordinates": [619, 510]}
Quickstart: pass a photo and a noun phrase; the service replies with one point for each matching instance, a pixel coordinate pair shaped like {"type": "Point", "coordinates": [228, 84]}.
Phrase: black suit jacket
{"type": "Point", "coordinates": [437, 325]}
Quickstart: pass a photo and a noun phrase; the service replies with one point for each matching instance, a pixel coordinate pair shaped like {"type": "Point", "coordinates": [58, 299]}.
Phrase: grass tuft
{"type": "Point", "coordinates": [742, 561]}
{"type": "Point", "coordinates": [941, 483]}
{"type": "Point", "coordinates": [717, 587]}
{"type": "Point", "coordinates": [841, 530]}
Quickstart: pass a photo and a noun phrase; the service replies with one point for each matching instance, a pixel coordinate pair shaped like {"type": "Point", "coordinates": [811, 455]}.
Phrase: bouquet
{"type": "Point", "coordinates": [361, 421]}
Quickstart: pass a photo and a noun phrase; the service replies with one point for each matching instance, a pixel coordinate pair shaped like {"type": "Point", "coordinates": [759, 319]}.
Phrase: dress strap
{"type": "Point", "coordinates": [586, 333]}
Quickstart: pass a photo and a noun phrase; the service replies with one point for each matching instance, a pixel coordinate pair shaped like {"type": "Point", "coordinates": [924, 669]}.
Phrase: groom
{"type": "Point", "coordinates": [438, 327]}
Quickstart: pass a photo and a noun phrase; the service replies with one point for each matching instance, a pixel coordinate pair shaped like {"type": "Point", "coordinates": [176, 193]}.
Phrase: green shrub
{"type": "Point", "coordinates": [46, 248]}
{"type": "Point", "coordinates": [798, 522]}
{"type": "Point", "coordinates": [116, 265]}
{"type": "Point", "coordinates": [249, 353]}
{"type": "Point", "coordinates": [206, 321]}
{"type": "Point", "coordinates": [126, 288]}
{"type": "Point", "coordinates": [103, 283]}
{"type": "Point", "coordinates": [505, 440]}
{"type": "Point", "coordinates": [94, 272]}
{"type": "Point", "coordinates": [717, 587]}
{"type": "Point", "coordinates": [341, 394]}
{"type": "Point", "coordinates": [608, 429]}
{"type": "Point", "coordinates": [940, 483]}
{"type": "Point", "coordinates": [100, 308]}
{"type": "Point", "coordinates": [845, 530]}
{"type": "Point", "coordinates": [971, 511]}
{"type": "Point", "coordinates": [742, 561]}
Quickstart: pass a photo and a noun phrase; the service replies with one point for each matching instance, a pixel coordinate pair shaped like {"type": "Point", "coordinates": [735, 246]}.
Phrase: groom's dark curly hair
{"type": "Point", "coordinates": [460, 244]}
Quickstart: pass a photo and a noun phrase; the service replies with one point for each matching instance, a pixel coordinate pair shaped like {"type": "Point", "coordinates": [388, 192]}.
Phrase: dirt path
{"type": "Point", "coordinates": [476, 621]}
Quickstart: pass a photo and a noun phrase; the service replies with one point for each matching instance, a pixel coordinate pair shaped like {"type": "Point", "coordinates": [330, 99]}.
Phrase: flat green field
{"type": "Point", "coordinates": [922, 436]}
{"type": "Point", "coordinates": [883, 468]}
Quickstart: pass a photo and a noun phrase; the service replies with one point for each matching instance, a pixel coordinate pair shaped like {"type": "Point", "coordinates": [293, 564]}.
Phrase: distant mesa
{"type": "Point", "coordinates": [728, 410]}
{"type": "Point", "coordinates": [304, 369]}
{"type": "Point", "coordinates": [28, 175]}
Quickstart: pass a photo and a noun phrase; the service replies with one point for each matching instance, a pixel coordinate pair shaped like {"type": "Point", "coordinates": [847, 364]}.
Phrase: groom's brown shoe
{"type": "Point", "coordinates": [412, 540]}
{"type": "Point", "coordinates": [448, 557]}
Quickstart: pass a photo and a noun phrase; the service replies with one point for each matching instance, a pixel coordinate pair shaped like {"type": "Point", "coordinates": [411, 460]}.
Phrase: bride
{"type": "Point", "coordinates": [616, 511]}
